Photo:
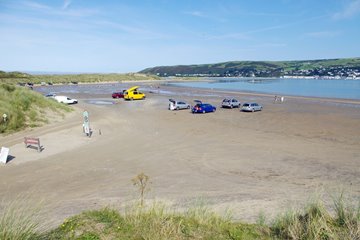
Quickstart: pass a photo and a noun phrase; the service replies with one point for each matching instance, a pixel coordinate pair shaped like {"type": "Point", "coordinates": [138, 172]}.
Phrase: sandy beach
{"type": "Point", "coordinates": [246, 162]}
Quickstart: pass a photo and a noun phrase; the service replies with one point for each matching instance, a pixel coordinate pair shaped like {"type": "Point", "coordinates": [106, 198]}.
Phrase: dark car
{"type": "Point", "coordinates": [203, 107]}
{"type": "Point", "coordinates": [118, 94]}
{"type": "Point", "coordinates": [50, 95]}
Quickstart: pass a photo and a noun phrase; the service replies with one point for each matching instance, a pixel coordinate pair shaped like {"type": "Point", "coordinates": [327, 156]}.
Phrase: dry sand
{"type": "Point", "coordinates": [246, 162]}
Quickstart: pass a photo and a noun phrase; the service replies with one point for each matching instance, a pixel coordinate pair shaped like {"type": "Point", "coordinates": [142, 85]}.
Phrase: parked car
{"type": "Point", "coordinates": [50, 95]}
{"type": "Point", "coordinates": [251, 107]}
{"type": "Point", "coordinates": [230, 103]}
{"type": "Point", "coordinates": [177, 105]}
{"type": "Point", "coordinates": [118, 94]}
{"type": "Point", "coordinates": [203, 107]}
{"type": "Point", "coordinates": [65, 99]}
{"type": "Point", "coordinates": [133, 94]}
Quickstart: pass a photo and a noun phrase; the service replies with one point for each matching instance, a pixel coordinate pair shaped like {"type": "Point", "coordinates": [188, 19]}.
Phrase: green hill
{"type": "Point", "coordinates": [326, 67]}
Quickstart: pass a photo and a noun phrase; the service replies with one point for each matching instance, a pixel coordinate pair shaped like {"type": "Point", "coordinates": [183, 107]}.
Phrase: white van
{"type": "Point", "coordinates": [65, 99]}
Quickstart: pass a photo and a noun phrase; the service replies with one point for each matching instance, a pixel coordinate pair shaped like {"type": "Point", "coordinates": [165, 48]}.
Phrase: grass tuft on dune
{"type": "Point", "coordinates": [156, 221]}
{"type": "Point", "coordinates": [25, 108]}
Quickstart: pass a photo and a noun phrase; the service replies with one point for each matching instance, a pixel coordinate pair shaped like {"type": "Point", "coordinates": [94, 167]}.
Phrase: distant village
{"type": "Point", "coordinates": [322, 72]}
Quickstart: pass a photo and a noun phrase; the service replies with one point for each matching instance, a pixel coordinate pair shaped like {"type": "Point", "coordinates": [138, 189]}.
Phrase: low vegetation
{"type": "Point", "coordinates": [21, 220]}
{"type": "Point", "coordinates": [316, 222]}
{"type": "Point", "coordinates": [23, 78]}
{"type": "Point", "coordinates": [25, 108]}
{"type": "Point", "coordinates": [156, 221]}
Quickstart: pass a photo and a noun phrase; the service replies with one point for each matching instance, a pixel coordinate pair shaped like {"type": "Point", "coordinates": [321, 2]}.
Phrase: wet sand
{"type": "Point", "coordinates": [247, 162]}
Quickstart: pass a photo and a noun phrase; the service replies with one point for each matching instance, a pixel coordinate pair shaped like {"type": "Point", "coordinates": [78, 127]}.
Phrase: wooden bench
{"type": "Point", "coordinates": [32, 141]}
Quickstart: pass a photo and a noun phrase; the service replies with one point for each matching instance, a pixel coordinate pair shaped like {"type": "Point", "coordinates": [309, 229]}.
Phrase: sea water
{"type": "Point", "coordinates": [328, 88]}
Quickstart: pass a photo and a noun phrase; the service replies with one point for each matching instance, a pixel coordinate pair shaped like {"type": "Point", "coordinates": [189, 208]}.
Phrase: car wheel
{"type": "Point", "coordinates": [203, 111]}
{"type": "Point", "coordinates": [177, 108]}
{"type": "Point", "coordinates": [131, 99]}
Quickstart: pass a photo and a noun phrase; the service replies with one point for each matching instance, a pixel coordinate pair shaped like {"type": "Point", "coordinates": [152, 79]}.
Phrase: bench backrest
{"type": "Point", "coordinates": [31, 140]}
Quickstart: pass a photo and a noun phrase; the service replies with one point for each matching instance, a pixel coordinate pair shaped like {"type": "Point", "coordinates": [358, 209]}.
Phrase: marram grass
{"type": "Point", "coordinates": [154, 222]}
{"type": "Point", "coordinates": [157, 221]}
{"type": "Point", "coordinates": [25, 108]}
{"type": "Point", "coordinates": [315, 222]}
{"type": "Point", "coordinates": [20, 220]}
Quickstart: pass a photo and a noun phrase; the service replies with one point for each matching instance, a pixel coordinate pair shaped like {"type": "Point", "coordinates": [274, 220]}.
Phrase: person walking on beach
{"type": "Point", "coordinates": [86, 124]}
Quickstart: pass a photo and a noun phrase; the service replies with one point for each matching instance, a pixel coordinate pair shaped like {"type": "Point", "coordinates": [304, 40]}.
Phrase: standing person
{"type": "Point", "coordinates": [275, 99]}
{"type": "Point", "coordinates": [171, 104]}
{"type": "Point", "coordinates": [86, 124]}
{"type": "Point", "coordinates": [4, 117]}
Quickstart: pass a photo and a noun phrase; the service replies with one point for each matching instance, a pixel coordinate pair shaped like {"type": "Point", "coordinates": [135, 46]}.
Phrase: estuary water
{"type": "Point", "coordinates": [325, 88]}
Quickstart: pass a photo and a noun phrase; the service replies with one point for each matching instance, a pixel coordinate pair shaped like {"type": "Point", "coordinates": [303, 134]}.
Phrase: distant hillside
{"type": "Point", "coordinates": [349, 67]}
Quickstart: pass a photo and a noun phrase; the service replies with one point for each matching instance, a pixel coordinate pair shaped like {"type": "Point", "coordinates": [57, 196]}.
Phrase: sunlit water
{"type": "Point", "coordinates": [328, 88]}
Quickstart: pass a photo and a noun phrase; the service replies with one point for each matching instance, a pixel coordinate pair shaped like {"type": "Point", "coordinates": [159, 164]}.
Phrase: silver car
{"type": "Point", "coordinates": [230, 103]}
{"type": "Point", "coordinates": [177, 105]}
{"type": "Point", "coordinates": [251, 107]}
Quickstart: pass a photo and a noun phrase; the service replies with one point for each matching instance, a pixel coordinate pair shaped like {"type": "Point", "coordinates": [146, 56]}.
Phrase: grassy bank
{"type": "Point", "coordinates": [73, 78]}
{"type": "Point", "coordinates": [25, 108]}
{"type": "Point", "coordinates": [316, 222]}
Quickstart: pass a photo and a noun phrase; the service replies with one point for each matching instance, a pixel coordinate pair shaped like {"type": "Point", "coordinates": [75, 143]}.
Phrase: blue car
{"type": "Point", "coordinates": [203, 107]}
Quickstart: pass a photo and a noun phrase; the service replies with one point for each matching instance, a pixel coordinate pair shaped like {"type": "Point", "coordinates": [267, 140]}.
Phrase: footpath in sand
{"type": "Point", "coordinates": [247, 162]}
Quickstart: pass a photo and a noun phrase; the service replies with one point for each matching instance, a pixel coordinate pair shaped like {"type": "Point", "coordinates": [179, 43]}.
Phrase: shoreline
{"type": "Point", "coordinates": [164, 84]}
{"type": "Point", "coordinates": [260, 94]}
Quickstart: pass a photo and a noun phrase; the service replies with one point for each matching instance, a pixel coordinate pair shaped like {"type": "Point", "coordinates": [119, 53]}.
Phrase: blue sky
{"type": "Point", "coordinates": [130, 35]}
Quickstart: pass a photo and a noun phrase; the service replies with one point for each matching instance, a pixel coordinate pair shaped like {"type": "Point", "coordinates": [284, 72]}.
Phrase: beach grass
{"type": "Point", "coordinates": [20, 220]}
{"type": "Point", "coordinates": [25, 108]}
{"type": "Point", "coordinates": [315, 221]}
{"type": "Point", "coordinates": [154, 222]}
{"type": "Point", "coordinates": [157, 221]}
